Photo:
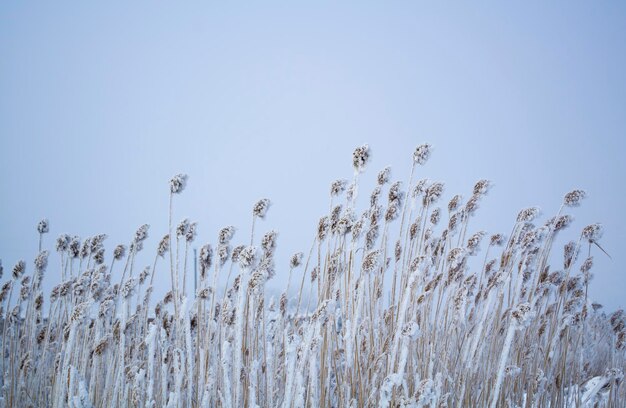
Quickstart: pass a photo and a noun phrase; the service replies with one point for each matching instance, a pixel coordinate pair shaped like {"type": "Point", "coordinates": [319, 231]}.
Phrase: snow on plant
{"type": "Point", "coordinates": [394, 304]}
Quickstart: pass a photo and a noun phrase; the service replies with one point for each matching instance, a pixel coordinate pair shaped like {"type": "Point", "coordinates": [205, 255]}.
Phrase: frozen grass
{"type": "Point", "coordinates": [395, 306]}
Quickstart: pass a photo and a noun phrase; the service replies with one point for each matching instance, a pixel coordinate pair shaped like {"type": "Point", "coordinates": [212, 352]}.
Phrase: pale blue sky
{"type": "Point", "coordinates": [100, 104]}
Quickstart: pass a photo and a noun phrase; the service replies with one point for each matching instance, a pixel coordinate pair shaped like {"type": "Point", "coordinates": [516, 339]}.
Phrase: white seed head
{"type": "Point", "coordinates": [43, 226]}
{"type": "Point", "coordinates": [178, 183]}
{"type": "Point", "coordinates": [384, 175]}
{"type": "Point", "coordinates": [119, 252]}
{"type": "Point", "coordinates": [164, 245]}
{"type": "Point", "coordinates": [482, 187]}
{"type": "Point", "coordinates": [226, 234]}
{"type": "Point", "coordinates": [573, 198]}
{"type": "Point", "coordinates": [421, 154]}
{"type": "Point", "coordinates": [141, 233]}
{"type": "Point", "coordinates": [593, 232]}
{"type": "Point", "coordinates": [337, 187]}
{"type": "Point", "coordinates": [528, 214]}
{"type": "Point", "coordinates": [296, 260]}
{"type": "Point", "coordinates": [261, 207]}
{"type": "Point", "coordinates": [182, 227]}
{"type": "Point", "coordinates": [371, 261]}
{"type": "Point", "coordinates": [18, 269]}
{"type": "Point", "coordinates": [41, 261]}
{"type": "Point", "coordinates": [247, 256]}
{"type": "Point", "coordinates": [360, 157]}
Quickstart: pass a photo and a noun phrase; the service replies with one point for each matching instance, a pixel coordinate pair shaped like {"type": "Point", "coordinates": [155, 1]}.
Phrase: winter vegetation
{"type": "Point", "coordinates": [395, 305]}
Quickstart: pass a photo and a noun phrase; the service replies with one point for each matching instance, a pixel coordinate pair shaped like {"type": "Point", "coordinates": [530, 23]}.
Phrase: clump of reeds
{"type": "Point", "coordinates": [394, 304]}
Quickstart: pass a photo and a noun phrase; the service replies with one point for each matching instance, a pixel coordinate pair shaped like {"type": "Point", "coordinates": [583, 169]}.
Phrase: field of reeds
{"type": "Point", "coordinates": [404, 304]}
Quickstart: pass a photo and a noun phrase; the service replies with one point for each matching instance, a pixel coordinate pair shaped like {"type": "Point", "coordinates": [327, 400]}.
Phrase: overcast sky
{"type": "Point", "coordinates": [100, 104]}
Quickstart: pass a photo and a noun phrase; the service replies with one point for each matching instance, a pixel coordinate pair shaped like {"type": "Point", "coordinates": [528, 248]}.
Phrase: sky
{"type": "Point", "coordinates": [101, 103]}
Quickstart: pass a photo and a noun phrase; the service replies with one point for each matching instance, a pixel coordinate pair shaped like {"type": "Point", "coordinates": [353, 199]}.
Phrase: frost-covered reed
{"type": "Point", "coordinates": [393, 305]}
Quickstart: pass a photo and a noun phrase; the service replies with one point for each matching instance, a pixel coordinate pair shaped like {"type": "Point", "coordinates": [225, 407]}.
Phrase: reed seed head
{"type": "Point", "coordinates": [236, 252]}
{"type": "Point", "coordinates": [182, 227]}
{"type": "Point", "coordinates": [482, 187]}
{"type": "Point", "coordinates": [296, 260]}
{"type": "Point", "coordinates": [435, 216]}
{"type": "Point", "coordinates": [247, 256]}
{"type": "Point", "coordinates": [497, 240]}
{"type": "Point", "coordinates": [322, 228]}
{"type": "Point", "coordinates": [528, 214]}
{"type": "Point", "coordinates": [268, 242]}
{"type": "Point", "coordinates": [371, 261]}
{"type": "Point", "coordinates": [337, 187]}
{"type": "Point", "coordinates": [432, 193]}
{"type": "Point", "coordinates": [164, 245]}
{"type": "Point", "coordinates": [119, 252]}
{"type": "Point", "coordinates": [562, 222]}
{"type": "Point", "coordinates": [421, 154]}
{"type": "Point", "coordinates": [384, 176]}
{"type": "Point", "coordinates": [18, 269]}
{"type": "Point", "coordinates": [43, 227]}
{"type": "Point", "coordinates": [261, 207]}
{"type": "Point", "coordinates": [41, 261]}
{"type": "Point", "coordinates": [142, 233]}
{"type": "Point", "coordinates": [592, 233]}
{"type": "Point", "coordinates": [190, 234]}
{"type": "Point", "coordinates": [226, 234]}
{"type": "Point", "coordinates": [573, 198]}
{"type": "Point", "coordinates": [178, 183]}
{"type": "Point", "coordinates": [62, 243]}
{"type": "Point", "coordinates": [360, 157]}
{"type": "Point", "coordinates": [454, 203]}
